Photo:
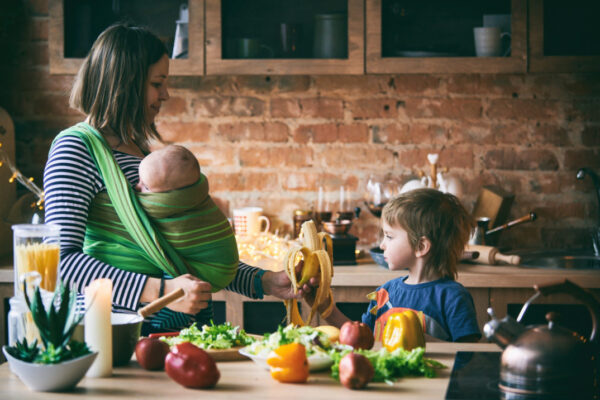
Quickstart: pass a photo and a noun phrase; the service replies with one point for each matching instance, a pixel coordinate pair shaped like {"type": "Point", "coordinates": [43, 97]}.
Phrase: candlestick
{"type": "Point", "coordinates": [98, 328]}
{"type": "Point", "coordinates": [320, 199]}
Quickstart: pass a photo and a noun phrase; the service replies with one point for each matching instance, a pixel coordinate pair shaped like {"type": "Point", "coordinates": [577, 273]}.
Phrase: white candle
{"type": "Point", "coordinates": [320, 199]}
{"type": "Point", "coordinates": [342, 199]}
{"type": "Point", "coordinates": [98, 328]}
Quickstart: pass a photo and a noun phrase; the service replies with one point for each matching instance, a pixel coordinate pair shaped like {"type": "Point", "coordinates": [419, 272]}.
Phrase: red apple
{"type": "Point", "coordinates": [355, 371]}
{"type": "Point", "coordinates": [357, 334]}
{"type": "Point", "coordinates": [150, 353]}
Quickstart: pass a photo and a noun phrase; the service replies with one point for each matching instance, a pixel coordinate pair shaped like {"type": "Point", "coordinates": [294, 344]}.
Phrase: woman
{"type": "Point", "coordinates": [120, 88]}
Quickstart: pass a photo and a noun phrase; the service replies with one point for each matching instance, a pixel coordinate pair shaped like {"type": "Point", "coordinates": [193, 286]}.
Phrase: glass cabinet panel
{"type": "Point", "coordinates": [75, 25]}
{"type": "Point", "coordinates": [563, 36]}
{"type": "Point", "coordinates": [284, 29]}
{"type": "Point", "coordinates": [412, 36]}
{"type": "Point", "coordinates": [412, 28]}
{"type": "Point", "coordinates": [571, 29]}
{"type": "Point", "coordinates": [284, 37]}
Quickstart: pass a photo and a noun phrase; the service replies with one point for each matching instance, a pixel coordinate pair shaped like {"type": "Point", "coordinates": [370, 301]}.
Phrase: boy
{"type": "Point", "coordinates": [425, 231]}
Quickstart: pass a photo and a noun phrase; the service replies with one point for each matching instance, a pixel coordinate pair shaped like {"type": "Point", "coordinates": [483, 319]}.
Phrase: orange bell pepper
{"type": "Point", "coordinates": [288, 363]}
{"type": "Point", "coordinates": [403, 330]}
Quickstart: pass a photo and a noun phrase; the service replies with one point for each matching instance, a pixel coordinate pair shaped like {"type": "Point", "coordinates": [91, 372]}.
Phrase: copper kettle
{"type": "Point", "coordinates": [548, 361]}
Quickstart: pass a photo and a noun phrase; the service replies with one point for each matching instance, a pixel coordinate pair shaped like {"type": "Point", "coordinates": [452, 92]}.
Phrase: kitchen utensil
{"type": "Point", "coordinates": [337, 227]}
{"type": "Point", "coordinates": [529, 217]}
{"type": "Point", "coordinates": [548, 362]}
{"type": "Point", "coordinates": [491, 255]}
{"type": "Point", "coordinates": [494, 203]}
{"type": "Point", "coordinates": [379, 190]}
{"type": "Point", "coordinates": [160, 303]}
{"type": "Point", "coordinates": [331, 36]}
{"type": "Point", "coordinates": [247, 221]}
{"type": "Point", "coordinates": [290, 36]}
{"type": "Point", "coordinates": [478, 235]}
{"type": "Point", "coordinates": [36, 249]}
{"type": "Point", "coordinates": [488, 41]}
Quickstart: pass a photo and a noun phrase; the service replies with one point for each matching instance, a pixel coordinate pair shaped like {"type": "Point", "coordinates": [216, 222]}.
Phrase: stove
{"type": "Point", "coordinates": [475, 376]}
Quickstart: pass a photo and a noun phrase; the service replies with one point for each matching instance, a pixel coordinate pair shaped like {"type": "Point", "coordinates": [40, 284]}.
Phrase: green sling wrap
{"type": "Point", "coordinates": [176, 232]}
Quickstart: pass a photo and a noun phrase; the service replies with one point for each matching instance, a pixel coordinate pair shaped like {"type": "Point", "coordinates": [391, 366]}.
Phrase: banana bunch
{"type": "Point", "coordinates": [317, 262]}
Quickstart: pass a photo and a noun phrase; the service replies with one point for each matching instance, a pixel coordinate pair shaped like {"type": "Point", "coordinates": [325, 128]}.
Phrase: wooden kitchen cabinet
{"type": "Point", "coordinates": [564, 36]}
{"type": "Point", "coordinates": [75, 24]}
{"type": "Point", "coordinates": [406, 36]}
{"type": "Point", "coordinates": [247, 37]}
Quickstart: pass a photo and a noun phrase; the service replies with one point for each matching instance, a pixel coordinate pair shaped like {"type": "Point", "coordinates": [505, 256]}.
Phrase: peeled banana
{"type": "Point", "coordinates": [317, 259]}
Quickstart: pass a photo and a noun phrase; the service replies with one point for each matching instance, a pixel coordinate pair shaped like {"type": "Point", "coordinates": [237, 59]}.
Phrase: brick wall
{"type": "Point", "coordinates": [271, 140]}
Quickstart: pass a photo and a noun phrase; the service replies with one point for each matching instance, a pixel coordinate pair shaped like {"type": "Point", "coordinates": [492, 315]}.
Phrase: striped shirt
{"type": "Point", "coordinates": [71, 181]}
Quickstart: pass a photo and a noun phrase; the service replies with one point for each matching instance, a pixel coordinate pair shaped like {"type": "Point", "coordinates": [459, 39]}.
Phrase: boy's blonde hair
{"type": "Point", "coordinates": [441, 218]}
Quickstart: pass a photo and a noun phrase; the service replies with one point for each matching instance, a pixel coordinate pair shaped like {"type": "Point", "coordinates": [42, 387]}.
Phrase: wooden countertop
{"type": "Point", "coordinates": [241, 379]}
{"type": "Point", "coordinates": [367, 273]}
{"type": "Point", "coordinates": [471, 275]}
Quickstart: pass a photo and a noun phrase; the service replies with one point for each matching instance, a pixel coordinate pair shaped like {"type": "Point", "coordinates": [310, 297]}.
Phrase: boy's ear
{"type": "Point", "coordinates": [423, 247]}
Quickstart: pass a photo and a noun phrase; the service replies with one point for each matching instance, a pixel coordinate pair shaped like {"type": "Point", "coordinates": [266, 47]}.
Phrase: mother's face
{"type": "Point", "coordinates": [156, 87]}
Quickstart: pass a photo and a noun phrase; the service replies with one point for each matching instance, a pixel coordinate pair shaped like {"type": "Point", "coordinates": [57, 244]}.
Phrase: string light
{"type": "Point", "coordinates": [265, 250]}
{"type": "Point", "coordinates": [18, 176]}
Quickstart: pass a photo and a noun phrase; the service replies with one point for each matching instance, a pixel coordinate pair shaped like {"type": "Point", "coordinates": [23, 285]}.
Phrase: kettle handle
{"type": "Point", "coordinates": [584, 296]}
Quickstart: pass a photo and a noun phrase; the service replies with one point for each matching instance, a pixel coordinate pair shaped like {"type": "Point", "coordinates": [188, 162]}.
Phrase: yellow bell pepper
{"type": "Point", "coordinates": [288, 363]}
{"type": "Point", "coordinates": [404, 330]}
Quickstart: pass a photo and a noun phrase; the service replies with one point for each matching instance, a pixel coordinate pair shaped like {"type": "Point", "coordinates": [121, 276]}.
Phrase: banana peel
{"type": "Point", "coordinates": [317, 254]}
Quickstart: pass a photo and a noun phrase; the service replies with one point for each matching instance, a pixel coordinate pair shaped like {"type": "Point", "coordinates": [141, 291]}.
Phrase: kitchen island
{"type": "Point", "coordinates": [242, 379]}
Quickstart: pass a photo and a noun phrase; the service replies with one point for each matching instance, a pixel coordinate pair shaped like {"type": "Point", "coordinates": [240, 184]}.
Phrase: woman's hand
{"type": "Point", "coordinates": [196, 297]}
{"type": "Point", "coordinates": [278, 284]}
{"type": "Point", "coordinates": [197, 293]}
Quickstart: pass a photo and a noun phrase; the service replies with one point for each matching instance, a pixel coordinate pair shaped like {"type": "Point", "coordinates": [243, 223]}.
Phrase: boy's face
{"type": "Point", "coordinates": [396, 248]}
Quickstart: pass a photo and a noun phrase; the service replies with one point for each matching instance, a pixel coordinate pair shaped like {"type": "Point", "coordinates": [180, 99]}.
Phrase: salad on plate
{"type": "Point", "coordinates": [317, 344]}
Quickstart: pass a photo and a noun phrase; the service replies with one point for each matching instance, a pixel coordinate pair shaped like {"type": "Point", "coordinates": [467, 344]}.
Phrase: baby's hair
{"type": "Point", "coordinates": [437, 216]}
{"type": "Point", "coordinates": [174, 167]}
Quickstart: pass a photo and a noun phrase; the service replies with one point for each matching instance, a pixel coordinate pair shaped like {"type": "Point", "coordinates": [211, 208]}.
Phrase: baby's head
{"type": "Point", "coordinates": [436, 216]}
{"type": "Point", "coordinates": [172, 167]}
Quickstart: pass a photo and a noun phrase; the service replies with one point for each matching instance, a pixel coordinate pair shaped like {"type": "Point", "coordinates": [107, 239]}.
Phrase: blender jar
{"type": "Point", "coordinates": [36, 250]}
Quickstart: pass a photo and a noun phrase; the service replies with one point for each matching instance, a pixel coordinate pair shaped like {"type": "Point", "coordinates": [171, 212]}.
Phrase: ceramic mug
{"type": "Point", "coordinates": [248, 221]}
{"type": "Point", "coordinates": [488, 41]}
{"type": "Point", "coordinates": [252, 48]}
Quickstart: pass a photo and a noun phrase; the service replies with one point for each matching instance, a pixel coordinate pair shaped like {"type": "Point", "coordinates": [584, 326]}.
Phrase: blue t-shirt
{"type": "Point", "coordinates": [449, 312]}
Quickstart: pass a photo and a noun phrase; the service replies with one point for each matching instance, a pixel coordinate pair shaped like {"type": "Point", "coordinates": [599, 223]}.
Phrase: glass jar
{"type": "Point", "coordinates": [300, 216]}
{"type": "Point", "coordinates": [20, 322]}
{"type": "Point", "coordinates": [36, 250]}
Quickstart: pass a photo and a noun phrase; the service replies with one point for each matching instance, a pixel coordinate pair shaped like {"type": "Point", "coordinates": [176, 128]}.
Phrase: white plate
{"type": "Point", "coordinates": [316, 362]}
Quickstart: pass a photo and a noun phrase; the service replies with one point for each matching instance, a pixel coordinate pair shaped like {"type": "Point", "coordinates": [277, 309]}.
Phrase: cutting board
{"type": "Point", "coordinates": [8, 191]}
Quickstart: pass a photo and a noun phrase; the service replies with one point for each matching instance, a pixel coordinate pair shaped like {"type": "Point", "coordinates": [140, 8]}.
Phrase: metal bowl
{"type": "Point", "coordinates": [338, 227]}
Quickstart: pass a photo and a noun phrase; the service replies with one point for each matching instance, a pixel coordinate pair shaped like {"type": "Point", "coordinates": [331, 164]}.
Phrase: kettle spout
{"type": "Point", "coordinates": [504, 331]}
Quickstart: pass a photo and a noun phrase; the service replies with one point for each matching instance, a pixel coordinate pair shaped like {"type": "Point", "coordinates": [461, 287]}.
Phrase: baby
{"type": "Point", "coordinates": [175, 195]}
{"type": "Point", "coordinates": [172, 167]}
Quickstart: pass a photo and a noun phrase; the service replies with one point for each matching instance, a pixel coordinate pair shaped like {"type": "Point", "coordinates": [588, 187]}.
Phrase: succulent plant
{"type": "Point", "coordinates": [56, 325]}
{"type": "Point", "coordinates": [24, 351]}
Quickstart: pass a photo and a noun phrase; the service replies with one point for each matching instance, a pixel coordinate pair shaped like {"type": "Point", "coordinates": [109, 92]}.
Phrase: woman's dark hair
{"type": "Point", "coordinates": [110, 86]}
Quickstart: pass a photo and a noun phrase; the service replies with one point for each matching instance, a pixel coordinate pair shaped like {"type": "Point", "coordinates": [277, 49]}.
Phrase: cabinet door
{"type": "Point", "coordinates": [409, 36]}
{"type": "Point", "coordinates": [564, 36]}
{"type": "Point", "coordinates": [286, 37]}
{"type": "Point", "coordinates": [75, 24]}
